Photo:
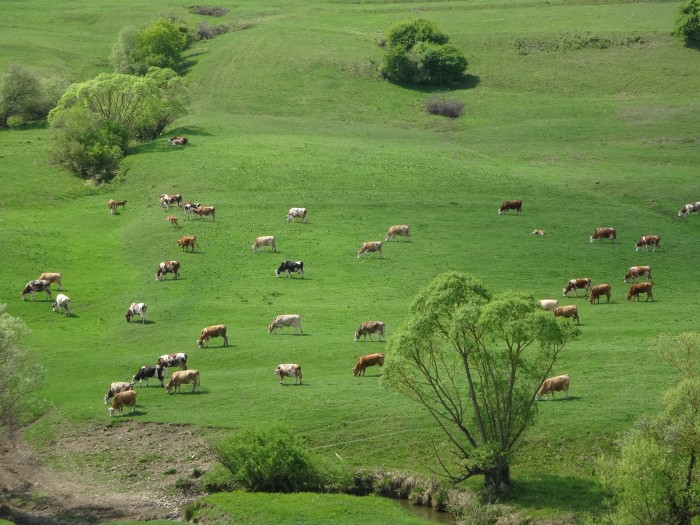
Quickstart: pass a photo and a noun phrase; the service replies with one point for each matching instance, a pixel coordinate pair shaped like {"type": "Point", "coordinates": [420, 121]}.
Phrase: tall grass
{"type": "Point", "coordinates": [290, 113]}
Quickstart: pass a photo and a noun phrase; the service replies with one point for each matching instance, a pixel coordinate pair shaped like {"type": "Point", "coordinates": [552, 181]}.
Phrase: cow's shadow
{"type": "Point", "coordinates": [560, 399]}
{"type": "Point", "coordinates": [292, 384]}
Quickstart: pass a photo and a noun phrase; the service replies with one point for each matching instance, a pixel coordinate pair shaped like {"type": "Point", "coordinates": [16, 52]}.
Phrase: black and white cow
{"type": "Point", "coordinates": [38, 285]}
{"type": "Point", "coordinates": [191, 206]}
{"type": "Point", "coordinates": [148, 372]}
{"type": "Point", "coordinates": [168, 360]}
{"type": "Point", "coordinates": [289, 267]}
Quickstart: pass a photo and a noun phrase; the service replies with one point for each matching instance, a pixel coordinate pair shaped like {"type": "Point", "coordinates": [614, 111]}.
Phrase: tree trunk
{"type": "Point", "coordinates": [498, 478]}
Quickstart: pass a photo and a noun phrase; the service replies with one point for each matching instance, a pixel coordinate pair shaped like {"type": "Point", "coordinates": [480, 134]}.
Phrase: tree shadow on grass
{"type": "Point", "coordinates": [161, 144]}
{"type": "Point", "coordinates": [565, 493]}
{"type": "Point", "coordinates": [467, 82]}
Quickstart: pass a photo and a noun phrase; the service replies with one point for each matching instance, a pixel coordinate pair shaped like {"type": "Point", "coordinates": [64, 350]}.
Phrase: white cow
{"type": "Point", "coordinates": [62, 303]}
{"type": "Point", "coordinates": [548, 304]}
{"type": "Point", "coordinates": [296, 212]}
{"type": "Point", "coordinates": [266, 240]}
{"type": "Point", "coordinates": [285, 320]}
{"type": "Point", "coordinates": [288, 370]}
{"type": "Point", "coordinates": [136, 309]}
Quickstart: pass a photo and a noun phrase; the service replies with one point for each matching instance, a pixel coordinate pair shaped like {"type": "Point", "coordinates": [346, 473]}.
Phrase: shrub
{"type": "Point", "coordinates": [20, 91]}
{"type": "Point", "coordinates": [408, 33]}
{"type": "Point", "coordinates": [439, 64]}
{"type": "Point", "coordinates": [447, 108]}
{"type": "Point", "coordinates": [209, 10]}
{"type": "Point", "coordinates": [270, 459]}
{"type": "Point", "coordinates": [688, 21]}
{"type": "Point", "coordinates": [399, 67]}
{"type": "Point", "coordinates": [207, 32]}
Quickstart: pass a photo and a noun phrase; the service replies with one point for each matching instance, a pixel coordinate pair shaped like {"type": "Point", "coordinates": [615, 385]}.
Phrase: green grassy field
{"type": "Point", "coordinates": [290, 112]}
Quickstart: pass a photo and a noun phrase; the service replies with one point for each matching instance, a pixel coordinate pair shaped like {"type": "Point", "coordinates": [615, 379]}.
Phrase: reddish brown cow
{"type": "Point", "coordinates": [365, 361]}
{"type": "Point", "coordinates": [648, 240]}
{"type": "Point", "coordinates": [207, 333]}
{"type": "Point", "coordinates": [640, 288]}
{"type": "Point", "coordinates": [554, 384]}
{"type": "Point", "coordinates": [402, 230]}
{"type": "Point", "coordinates": [575, 284]}
{"type": "Point", "coordinates": [604, 233]}
{"type": "Point", "coordinates": [205, 210]}
{"type": "Point", "coordinates": [372, 246]}
{"type": "Point", "coordinates": [188, 240]}
{"type": "Point", "coordinates": [597, 291]}
{"type": "Point", "coordinates": [567, 311]}
{"type": "Point", "coordinates": [510, 205]}
{"type": "Point", "coordinates": [638, 271]}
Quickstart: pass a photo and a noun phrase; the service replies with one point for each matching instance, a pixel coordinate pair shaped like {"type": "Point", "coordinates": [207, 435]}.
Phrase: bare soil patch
{"type": "Point", "coordinates": [122, 471]}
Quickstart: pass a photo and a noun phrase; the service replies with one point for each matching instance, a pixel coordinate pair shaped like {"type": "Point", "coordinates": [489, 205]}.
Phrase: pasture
{"type": "Point", "coordinates": [587, 111]}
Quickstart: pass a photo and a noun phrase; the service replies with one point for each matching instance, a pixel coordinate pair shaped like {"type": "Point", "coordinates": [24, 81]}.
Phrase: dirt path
{"type": "Point", "coordinates": [129, 471]}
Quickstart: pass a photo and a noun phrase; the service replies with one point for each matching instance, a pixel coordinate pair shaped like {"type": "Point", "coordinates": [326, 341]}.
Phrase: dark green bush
{"type": "Point", "coordinates": [439, 64]}
{"type": "Point", "coordinates": [408, 33]}
{"type": "Point", "coordinates": [399, 67]}
{"type": "Point", "coordinates": [688, 21]}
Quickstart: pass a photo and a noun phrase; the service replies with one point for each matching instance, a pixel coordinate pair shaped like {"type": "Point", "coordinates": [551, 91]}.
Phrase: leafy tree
{"type": "Point", "coordinates": [439, 64]}
{"type": "Point", "coordinates": [20, 377]}
{"type": "Point", "coordinates": [161, 44]}
{"type": "Point", "coordinates": [688, 21]}
{"type": "Point", "coordinates": [164, 110]}
{"type": "Point", "coordinates": [655, 479]}
{"type": "Point", "coordinates": [475, 362]}
{"type": "Point", "coordinates": [126, 57]}
{"type": "Point", "coordinates": [408, 33]}
{"type": "Point", "coordinates": [20, 90]}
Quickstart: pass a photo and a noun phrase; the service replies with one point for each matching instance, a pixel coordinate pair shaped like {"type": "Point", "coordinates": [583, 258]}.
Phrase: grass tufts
{"type": "Point", "coordinates": [447, 108]}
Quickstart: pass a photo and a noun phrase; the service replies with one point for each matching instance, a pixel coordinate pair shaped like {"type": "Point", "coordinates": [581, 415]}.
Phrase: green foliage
{"type": "Point", "coordinates": [269, 459]}
{"type": "Point", "coordinates": [655, 479]}
{"type": "Point", "coordinates": [126, 57]}
{"type": "Point", "coordinates": [20, 376]}
{"type": "Point", "coordinates": [161, 44]}
{"type": "Point", "coordinates": [162, 111]}
{"type": "Point", "coordinates": [408, 33]}
{"type": "Point", "coordinates": [418, 53]}
{"type": "Point", "coordinates": [688, 21]}
{"type": "Point", "coordinates": [475, 363]}
{"type": "Point", "coordinates": [20, 93]}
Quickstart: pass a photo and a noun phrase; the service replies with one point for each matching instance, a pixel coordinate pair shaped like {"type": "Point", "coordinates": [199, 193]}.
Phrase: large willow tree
{"type": "Point", "coordinates": [475, 362]}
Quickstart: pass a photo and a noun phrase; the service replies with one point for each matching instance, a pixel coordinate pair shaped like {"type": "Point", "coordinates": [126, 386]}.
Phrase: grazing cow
{"type": "Point", "coordinates": [115, 388]}
{"type": "Point", "coordinates": [567, 311]}
{"type": "Point", "coordinates": [402, 230]}
{"type": "Point", "coordinates": [119, 203]}
{"type": "Point", "coordinates": [510, 205]}
{"type": "Point", "coordinates": [285, 320]}
{"type": "Point", "coordinates": [261, 242]}
{"type": "Point", "coordinates": [209, 332]}
{"type": "Point", "coordinates": [597, 291]}
{"type": "Point", "coordinates": [290, 266]}
{"type": "Point", "coordinates": [291, 370]}
{"type": "Point", "coordinates": [170, 360]}
{"type": "Point", "coordinates": [296, 212]}
{"type": "Point", "coordinates": [188, 207]}
{"type": "Point", "coordinates": [178, 141]}
{"type": "Point", "coordinates": [122, 399]}
{"type": "Point", "coordinates": [638, 271]}
{"type": "Point", "coordinates": [640, 288]}
{"type": "Point", "coordinates": [52, 278]}
{"type": "Point", "coordinates": [166, 200]}
{"type": "Point", "coordinates": [604, 233]}
{"type": "Point", "coordinates": [172, 220]}
{"type": "Point", "coordinates": [688, 208]}
{"type": "Point", "coordinates": [136, 309]}
{"type": "Point", "coordinates": [112, 205]}
{"type": "Point", "coordinates": [548, 304]}
{"type": "Point", "coordinates": [183, 377]}
{"type": "Point", "coordinates": [553, 384]}
{"type": "Point", "coordinates": [370, 327]}
{"type": "Point", "coordinates": [187, 240]}
{"type": "Point", "coordinates": [148, 372]}
{"type": "Point", "coordinates": [537, 232]}
{"type": "Point", "coordinates": [575, 284]}
{"type": "Point", "coordinates": [367, 360]}
{"type": "Point", "coordinates": [205, 210]}
{"type": "Point", "coordinates": [168, 267]}
{"type": "Point", "coordinates": [371, 246]}
{"type": "Point", "coordinates": [648, 240]}
{"type": "Point", "coordinates": [62, 303]}
{"type": "Point", "coordinates": [38, 285]}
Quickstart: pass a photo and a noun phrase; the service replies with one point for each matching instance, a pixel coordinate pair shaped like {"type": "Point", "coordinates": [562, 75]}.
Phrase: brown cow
{"type": "Point", "coordinates": [365, 361]}
{"type": "Point", "coordinates": [265, 240]}
{"type": "Point", "coordinates": [510, 205]}
{"type": "Point", "coordinates": [183, 377]}
{"type": "Point", "coordinates": [168, 267]}
{"type": "Point", "coordinates": [537, 232]}
{"type": "Point", "coordinates": [371, 246]}
{"type": "Point", "coordinates": [640, 288]}
{"type": "Point", "coordinates": [205, 210]}
{"type": "Point", "coordinates": [688, 208]}
{"type": "Point", "coordinates": [188, 240]}
{"type": "Point", "coordinates": [575, 284]}
{"type": "Point", "coordinates": [638, 271]}
{"type": "Point", "coordinates": [52, 278]}
{"type": "Point", "coordinates": [604, 233]}
{"type": "Point", "coordinates": [178, 141]}
{"type": "Point", "coordinates": [172, 220]}
{"type": "Point", "coordinates": [567, 311]}
{"type": "Point", "coordinates": [166, 200]}
{"type": "Point", "coordinates": [207, 333]}
{"type": "Point", "coordinates": [112, 206]}
{"type": "Point", "coordinates": [403, 230]}
{"type": "Point", "coordinates": [122, 399]}
{"type": "Point", "coordinates": [370, 327]}
{"type": "Point", "coordinates": [597, 291]}
{"type": "Point", "coordinates": [648, 240]}
{"type": "Point", "coordinates": [554, 384]}
{"type": "Point", "coordinates": [288, 370]}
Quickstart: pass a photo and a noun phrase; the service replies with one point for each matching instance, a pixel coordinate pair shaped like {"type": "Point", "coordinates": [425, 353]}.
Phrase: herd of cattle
{"type": "Point", "coordinates": [123, 393]}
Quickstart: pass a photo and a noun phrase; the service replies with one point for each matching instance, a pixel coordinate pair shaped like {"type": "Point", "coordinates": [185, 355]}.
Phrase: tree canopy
{"type": "Point", "coordinates": [20, 88]}
{"type": "Point", "coordinates": [688, 21]}
{"type": "Point", "coordinates": [475, 361]}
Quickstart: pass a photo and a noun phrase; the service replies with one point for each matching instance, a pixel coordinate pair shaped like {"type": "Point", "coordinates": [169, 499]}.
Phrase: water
{"type": "Point", "coordinates": [427, 513]}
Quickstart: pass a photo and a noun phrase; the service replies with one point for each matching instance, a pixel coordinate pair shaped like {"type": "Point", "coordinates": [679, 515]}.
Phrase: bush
{"type": "Point", "coordinates": [399, 67]}
{"type": "Point", "coordinates": [439, 64]}
{"type": "Point", "coordinates": [408, 33]}
{"type": "Point", "coordinates": [447, 108]}
{"type": "Point", "coordinates": [688, 21]}
{"type": "Point", "coordinates": [209, 10]}
{"type": "Point", "coordinates": [270, 459]}
{"type": "Point", "coordinates": [207, 32]}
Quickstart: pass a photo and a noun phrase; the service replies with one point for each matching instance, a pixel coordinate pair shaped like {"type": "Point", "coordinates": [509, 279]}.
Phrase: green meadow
{"type": "Point", "coordinates": [586, 110]}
